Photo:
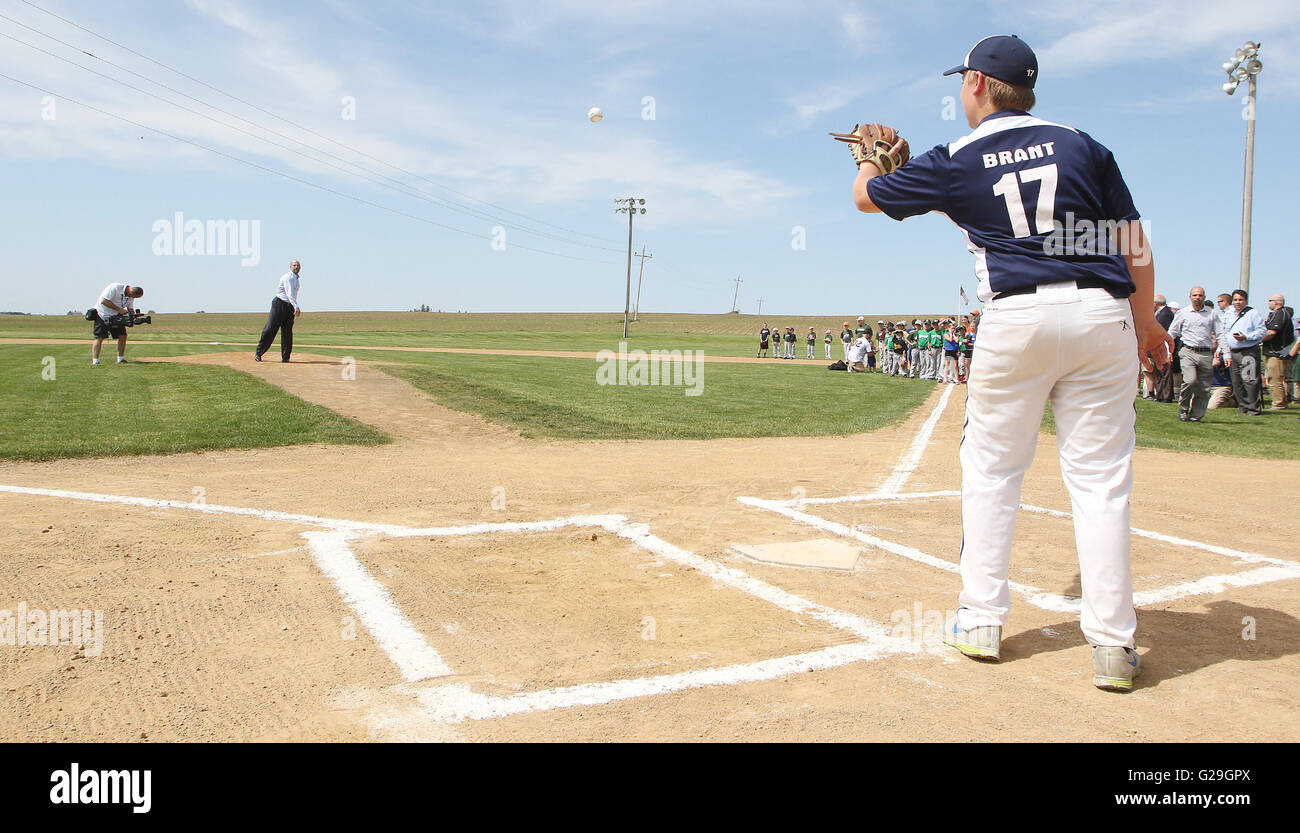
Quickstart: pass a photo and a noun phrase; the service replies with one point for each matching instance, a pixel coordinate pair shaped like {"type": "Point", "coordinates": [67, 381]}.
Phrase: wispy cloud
{"type": "Point", "coordinates": [1122, 34]}
{"type": "Point", "coordinates": [477, 144]}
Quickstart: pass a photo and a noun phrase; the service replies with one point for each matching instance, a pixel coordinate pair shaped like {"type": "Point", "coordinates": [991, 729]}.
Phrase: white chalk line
{"type": "Point", "coordinates": [374, 606]}
{"type": "Point", "coordinates": [1215, 584]}
{"type": "Point", "coordinates": [907, 463]}
{"type": "Point", "coordinates": [457, 703]}
{"type": "Point", "coordinates": [1280, 569]}
{"type": "Point", "coordinates": [912, 457]}
{"type": "Point", "coordinates": [890, 490]}
{"type": "Point", "coordinates": [418, 660]}
{"type": "Point", "coordinates": [1239, 555]}
{"type": "Point", "coordinates": [1036, 596]}
{"type": "Point", "coordinates": [740, 580]}
{"type": "Point", "coordinates": [337, 524]}
{"type": "Point", "coordinates": [871, 497]}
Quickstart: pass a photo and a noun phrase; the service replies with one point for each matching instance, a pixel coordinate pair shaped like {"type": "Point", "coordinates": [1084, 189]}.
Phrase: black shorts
{"type": "Point", "coordinates": [102, 330]}
{"type": "Point", "coordinates": [952, 354]}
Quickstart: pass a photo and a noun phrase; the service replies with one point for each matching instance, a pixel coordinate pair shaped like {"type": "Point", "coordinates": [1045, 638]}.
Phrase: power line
{"type": "Point", "coordinates": [303, 128]}
{"type": "Point", "coordinates": [398, 185]}
{"type": "Point", "coordinates": [284, 175]}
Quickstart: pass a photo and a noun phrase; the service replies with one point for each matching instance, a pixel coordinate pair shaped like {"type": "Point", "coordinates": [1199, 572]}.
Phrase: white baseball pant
{"type": "Point", "coordinates": [1076, 347]}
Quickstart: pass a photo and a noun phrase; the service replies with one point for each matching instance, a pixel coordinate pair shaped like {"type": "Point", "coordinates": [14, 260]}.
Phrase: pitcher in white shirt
{"type": "Point", "coordinates": [284, 309]}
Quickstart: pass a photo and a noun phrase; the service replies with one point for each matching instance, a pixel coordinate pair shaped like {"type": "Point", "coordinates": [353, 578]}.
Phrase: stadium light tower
{"type": "Point", "coordinates": [1244, 66]}
{"type": "Point", "coordinates": [631, 206]}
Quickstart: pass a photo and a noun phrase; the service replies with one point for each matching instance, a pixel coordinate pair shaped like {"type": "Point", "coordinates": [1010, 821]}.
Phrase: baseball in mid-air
{"type": "Point", "coordinates": [595, 114]}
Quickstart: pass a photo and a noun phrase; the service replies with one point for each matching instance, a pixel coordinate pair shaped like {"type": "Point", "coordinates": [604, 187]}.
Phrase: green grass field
{"type": "Point", "coordinates": [174, 405]}
{"type": "Point", "coordinates": [148, 408]}
{"type": "Point", "coordinates": [546, 397]}
{"type": "Point", "coordinates": [1223, 432]}
{"type": "Point", "coordinates": [723, 335]}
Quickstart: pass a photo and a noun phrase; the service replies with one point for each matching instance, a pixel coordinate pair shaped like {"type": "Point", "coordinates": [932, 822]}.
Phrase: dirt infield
{"type": "Point", "coordinates": [343, 593]}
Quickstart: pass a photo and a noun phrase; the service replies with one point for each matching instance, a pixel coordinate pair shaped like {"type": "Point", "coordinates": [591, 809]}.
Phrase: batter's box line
{"type": "Point", "coordinates": [458, 703]}
{"type": "Point", "coordinates": [1276, 570]}
{"type": "Point", "coordinates": [418, 660]}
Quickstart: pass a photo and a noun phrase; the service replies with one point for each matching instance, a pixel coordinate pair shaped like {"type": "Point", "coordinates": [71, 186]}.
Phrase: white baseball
{"type": "Point", "coordinates": [595, 114]}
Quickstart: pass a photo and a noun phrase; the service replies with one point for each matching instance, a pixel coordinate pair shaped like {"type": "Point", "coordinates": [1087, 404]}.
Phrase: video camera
{"type": "Point", "coordinates": [129, 320]}
{"type": "Point", "coordinates": [121, 320]}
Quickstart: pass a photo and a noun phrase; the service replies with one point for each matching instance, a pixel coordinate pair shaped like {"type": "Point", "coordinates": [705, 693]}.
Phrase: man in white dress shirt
{"type": "Point", "coordinates": [1198, 327]}
{"type": "Point", "coordinates": [284, 309]}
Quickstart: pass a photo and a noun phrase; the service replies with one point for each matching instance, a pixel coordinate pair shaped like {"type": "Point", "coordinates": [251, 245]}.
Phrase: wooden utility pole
{"type": "Point", "coordinates": [636, 310]}
{"type": "Point", "coordinates": [628, 205]}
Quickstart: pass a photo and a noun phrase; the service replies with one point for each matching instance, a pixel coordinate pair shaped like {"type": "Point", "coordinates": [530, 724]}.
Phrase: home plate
{"type": "Point", "coordinates": [823, 553]}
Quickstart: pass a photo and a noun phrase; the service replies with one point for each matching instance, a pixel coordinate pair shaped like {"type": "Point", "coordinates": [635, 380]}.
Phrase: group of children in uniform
{"type": "Point", "coordinates": [936, 349]}
{"type": "Point", "coordinates": [783, 343]}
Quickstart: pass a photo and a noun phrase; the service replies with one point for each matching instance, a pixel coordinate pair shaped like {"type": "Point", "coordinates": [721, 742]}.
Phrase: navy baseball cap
{"type": "Point", "coordinates": [1004, 57]}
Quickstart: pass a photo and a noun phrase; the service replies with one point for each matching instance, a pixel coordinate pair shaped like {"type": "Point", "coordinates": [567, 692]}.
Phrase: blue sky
{"type": "Point", "coordinates": [489, 100]}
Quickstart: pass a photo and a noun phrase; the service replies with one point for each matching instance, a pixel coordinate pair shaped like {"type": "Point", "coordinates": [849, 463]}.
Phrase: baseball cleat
{"type": "Point", "coordinates": [980, 642]}
{"type": "Point", "coordinates": [1114, 668]}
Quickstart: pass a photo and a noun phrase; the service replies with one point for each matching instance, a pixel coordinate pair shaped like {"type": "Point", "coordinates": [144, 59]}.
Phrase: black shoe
{"type": "Point", "coordinates": [1182, 416]}
{"type": "Point", "coordinates": [284, 361]}
{"type": "Point", "coordinates": [1193, 419]}
{"type": "Point", "coordinates": [257, 357]}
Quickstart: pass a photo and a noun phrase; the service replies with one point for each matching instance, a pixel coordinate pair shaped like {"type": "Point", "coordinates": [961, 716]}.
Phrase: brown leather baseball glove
{"type": "Point", "coordinates": [878, 144]}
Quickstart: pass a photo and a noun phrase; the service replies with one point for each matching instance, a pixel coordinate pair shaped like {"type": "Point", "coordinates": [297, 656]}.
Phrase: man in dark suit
{"type": "Point", "coordinates": [1160, 382]}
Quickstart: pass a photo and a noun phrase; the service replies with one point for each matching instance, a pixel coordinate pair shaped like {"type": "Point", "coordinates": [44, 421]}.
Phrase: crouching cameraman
{"type": "Point", "coordinates": [117, 299]}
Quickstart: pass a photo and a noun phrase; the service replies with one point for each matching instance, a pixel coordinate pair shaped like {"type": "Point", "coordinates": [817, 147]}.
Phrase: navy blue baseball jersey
{"type": "Point", "coordinates": [1035, 201]}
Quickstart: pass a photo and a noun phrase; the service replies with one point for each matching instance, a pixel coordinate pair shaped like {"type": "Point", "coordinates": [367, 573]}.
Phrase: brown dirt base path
{"type": "Point", "coordinates": [473, 351]}
{"type": "Point", "coordinates": [236, 627]}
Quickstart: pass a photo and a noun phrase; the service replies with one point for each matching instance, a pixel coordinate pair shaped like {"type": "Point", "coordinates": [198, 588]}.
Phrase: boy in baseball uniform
{"type": "Point", "coordinates": [1062, 322]}
{"type": "Point", "coordinates": [936, 350]}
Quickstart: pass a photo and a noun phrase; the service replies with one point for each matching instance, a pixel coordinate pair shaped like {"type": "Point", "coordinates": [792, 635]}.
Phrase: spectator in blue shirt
{"type": "Point", "coordinates": [1240, 346]}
